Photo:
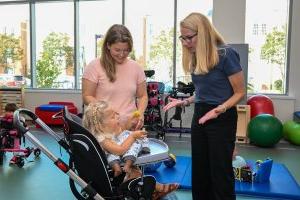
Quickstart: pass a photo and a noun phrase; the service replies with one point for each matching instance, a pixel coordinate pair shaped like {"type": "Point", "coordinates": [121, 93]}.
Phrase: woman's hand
{"type": "Point", "coordinates": [140, 134]}
{"type": "Point", "coordinates": [173, 103]}
{"type": "Point", "coordinates": [214, 113]}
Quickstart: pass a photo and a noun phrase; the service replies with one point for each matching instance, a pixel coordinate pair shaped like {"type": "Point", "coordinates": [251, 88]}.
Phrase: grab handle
{"type": "Point", "coordinates": [17, 119]}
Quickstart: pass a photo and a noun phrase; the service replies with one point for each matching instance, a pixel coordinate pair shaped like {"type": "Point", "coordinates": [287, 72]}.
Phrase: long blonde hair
{"type": "Point", "coordinates": [116, 33]}
{"type": "Point", "coordinates": [94, 117]}
{"type": "Point", "coordinates": [208, 39]}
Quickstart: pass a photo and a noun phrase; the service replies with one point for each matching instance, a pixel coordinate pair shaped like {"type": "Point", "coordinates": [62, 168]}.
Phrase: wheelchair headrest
{"type": "Point", "coordinates": [149, 73]}
{"type": "Point", "coordinates": [185, 88]}
{"type": "Point", "coordinates": [155, 87]}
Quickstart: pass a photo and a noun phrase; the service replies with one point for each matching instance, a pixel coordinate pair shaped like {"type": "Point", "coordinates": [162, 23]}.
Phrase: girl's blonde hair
{"type": "Point", "coordinates": [94, 117]}
{"type": "Point", "coordinates": [116, 33]}
{"type": "Point", "coordinates": [208, 40]}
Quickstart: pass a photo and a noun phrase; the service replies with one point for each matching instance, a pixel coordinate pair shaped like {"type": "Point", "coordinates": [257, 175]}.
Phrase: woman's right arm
{"type": "Point", "coordinates": [88, 91]}
{"type": "Point", "coordinates": [120, 149]}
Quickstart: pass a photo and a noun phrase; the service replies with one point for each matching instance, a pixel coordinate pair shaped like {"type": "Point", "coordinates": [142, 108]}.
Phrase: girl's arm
{"type": "Point", "coordinates": [119, 149]}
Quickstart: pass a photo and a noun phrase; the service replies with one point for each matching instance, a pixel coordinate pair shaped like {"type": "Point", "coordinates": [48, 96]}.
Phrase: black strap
{"type": "Point", "coordinates": [72, 183]}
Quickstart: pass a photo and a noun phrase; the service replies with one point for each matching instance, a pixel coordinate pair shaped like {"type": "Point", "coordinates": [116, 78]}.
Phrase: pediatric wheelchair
{"type": "Point", "coordinates": [11, 141]}
{"type": "Point", "coordinates": [182, 91]}
{"type": "Point", "coordinates": [88, 170]}
{"type": "Point", "coordinates": [153, 120]}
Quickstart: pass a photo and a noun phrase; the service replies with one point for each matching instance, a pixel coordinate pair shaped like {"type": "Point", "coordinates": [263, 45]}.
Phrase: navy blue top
{"type": "Point", "coordinates": [214, 87]}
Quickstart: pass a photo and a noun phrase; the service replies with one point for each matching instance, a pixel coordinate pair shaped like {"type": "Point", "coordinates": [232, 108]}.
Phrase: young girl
{"type": "Point", "coordinates": [103, 123]}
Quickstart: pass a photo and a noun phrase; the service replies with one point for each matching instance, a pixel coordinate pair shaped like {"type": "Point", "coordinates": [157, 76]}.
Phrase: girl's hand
{"type": "Point", "coordinates": [214, 113]}
{"type": "Point", "coordinates": [140, 134]}
{"type": "Point", "coordinates": [173, 103]}
{"type": "Point", "coordinates": [137, 120]}
{"type": "Point", "coordinates": [140, 123]}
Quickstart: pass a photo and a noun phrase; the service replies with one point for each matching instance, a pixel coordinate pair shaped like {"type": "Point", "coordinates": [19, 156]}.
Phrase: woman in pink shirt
{"type": "Point", "coordinates": [115, 78]}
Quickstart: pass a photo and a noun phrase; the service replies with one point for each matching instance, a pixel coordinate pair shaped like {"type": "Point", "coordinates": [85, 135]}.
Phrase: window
{"type": "Point", "coordinates": [55, 45]}
{"type": "Point", "coordinates": [267, 54]}
{"type": "Point", "coordinates": [255, 29]}
{"type": "Point", "coordinates": [14, 44]}
{"type": "Point", "coordinates": [184, 9]}
{"type": "Point", "coordinates": [264, 29]}
{"type": "Point", "coordinates": [95, 17]}
{"type": "Point", "coordinates": [152, 35]}
{"type": "Point", "coordinates": [53, 38]}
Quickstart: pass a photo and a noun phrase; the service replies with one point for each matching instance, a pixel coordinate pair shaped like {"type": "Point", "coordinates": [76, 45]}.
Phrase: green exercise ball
{"type": "Point", "coordinates": [287, 127]}
{"type": "Point", "coordinates": [293, 132]}
{"type": "Point", "coordinates": [265, 130]}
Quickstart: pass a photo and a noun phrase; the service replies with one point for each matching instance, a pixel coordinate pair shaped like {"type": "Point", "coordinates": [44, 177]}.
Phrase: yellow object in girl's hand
{"type": "Point", "coordinates": [136, 114]}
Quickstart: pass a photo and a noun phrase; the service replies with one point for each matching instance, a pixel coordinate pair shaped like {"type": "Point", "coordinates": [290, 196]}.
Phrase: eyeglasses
{"type": "Point", "coordinates": [187, 38]}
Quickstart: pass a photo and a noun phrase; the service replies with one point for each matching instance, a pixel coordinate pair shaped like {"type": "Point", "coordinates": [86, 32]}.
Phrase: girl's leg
{"type": "Point", "coordinates": [162, 190]}
{"type": "Point", "coordinates": [128, 166]}
{"type": "Point", "coordinates": [135, 172]}
{"type": "Point", "coordinates": [117, 169]}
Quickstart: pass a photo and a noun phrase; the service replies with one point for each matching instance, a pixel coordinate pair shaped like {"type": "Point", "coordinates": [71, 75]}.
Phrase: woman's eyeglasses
{"type": "Point", "coordinates": [187, 38]}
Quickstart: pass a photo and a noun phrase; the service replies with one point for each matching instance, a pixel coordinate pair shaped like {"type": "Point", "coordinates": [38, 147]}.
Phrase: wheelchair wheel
{"type": "Point", "coordinates": [1, 157]}
{"type": "Point", "coordinates": [37, 153]}
{"type": "Point", "coordinates": [2, 153]}
{"type": "Point", "coordinates": [20, 162]}
{"type": "Point", "coordinates": [161, 136]}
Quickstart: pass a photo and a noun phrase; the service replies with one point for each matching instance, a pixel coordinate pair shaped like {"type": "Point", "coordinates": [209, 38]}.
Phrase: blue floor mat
{"type": "Point", "coordinates": [281, 185]}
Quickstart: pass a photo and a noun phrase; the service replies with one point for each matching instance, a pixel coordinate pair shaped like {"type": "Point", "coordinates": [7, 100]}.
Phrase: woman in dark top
{"type": "Point", "coordinates": [219, 86]}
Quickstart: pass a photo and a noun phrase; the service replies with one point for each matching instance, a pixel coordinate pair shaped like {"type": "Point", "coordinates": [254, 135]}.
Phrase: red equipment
{"type": "Point", "coordinates": [260, 104]}
{"type": "Point", "coordinates": [11, 140]}
{"type": "Point", "coordinates": [46, 111]}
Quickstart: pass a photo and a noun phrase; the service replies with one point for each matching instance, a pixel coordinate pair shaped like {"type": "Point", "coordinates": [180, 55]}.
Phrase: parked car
{"type": "Point", "coordinates": [19, 80]}
{"type": "Point", "coordinates": [64, 81]}
{"type": "Point", "coordinates": [10, 80]}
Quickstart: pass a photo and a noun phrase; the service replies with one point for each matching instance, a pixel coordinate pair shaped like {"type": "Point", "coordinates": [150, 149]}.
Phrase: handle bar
{"type": "Point", "coordinates": [18, 122]}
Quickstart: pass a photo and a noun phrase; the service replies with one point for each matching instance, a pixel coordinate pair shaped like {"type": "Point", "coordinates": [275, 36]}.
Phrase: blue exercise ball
{"type": "Point", "coordinates": [152, 167]}
{"type": "Point", "coordinates": [171, 161]}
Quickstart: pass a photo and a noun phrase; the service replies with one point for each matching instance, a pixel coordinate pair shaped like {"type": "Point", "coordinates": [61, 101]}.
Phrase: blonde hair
{"type": "Point", "coordinates": [94, 117]}
{"type": "Point", "coordinates": [116, 33]}
{"type": "Point", "coordinates": [208, 39]}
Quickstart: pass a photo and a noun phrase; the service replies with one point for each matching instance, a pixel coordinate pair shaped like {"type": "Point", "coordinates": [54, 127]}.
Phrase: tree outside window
{"type": "Point", "coordinates": [56, 57]}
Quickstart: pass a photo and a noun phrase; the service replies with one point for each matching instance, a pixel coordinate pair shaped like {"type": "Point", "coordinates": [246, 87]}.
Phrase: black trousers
{"type": "Point", "coordinates": [212, 148]}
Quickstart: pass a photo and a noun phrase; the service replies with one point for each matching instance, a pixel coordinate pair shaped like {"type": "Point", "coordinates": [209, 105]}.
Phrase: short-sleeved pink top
{"type": "Point", "coordinates": [121, 94]}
